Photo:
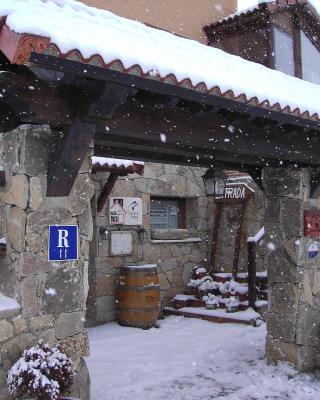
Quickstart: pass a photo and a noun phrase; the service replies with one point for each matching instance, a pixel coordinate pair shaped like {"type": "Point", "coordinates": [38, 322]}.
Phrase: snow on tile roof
{"type": "Point", "coordinates": [117, 165]}
{"type": "Point", "coordinates": [110, 41]}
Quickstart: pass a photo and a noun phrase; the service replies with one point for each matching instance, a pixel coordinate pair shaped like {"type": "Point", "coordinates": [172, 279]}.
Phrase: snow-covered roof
{"type": "Point", "coordinates": [117, 165]}
{"type": "Point", "coordinates": [72, 30]}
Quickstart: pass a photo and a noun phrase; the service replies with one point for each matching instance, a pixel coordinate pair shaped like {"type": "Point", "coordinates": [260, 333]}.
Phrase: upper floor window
{"type": "Point", "coordinates": [310, 60]}
{"type": "Point", "coordinates": [283, 51]}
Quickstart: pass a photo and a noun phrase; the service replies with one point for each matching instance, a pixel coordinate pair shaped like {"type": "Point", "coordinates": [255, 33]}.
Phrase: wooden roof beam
{"type": "Point", "coordinates": [73, 148]}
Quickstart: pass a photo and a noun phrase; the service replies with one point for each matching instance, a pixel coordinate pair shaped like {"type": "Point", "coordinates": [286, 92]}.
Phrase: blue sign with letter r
{"type": "Point", "coordinates": [63, 243]}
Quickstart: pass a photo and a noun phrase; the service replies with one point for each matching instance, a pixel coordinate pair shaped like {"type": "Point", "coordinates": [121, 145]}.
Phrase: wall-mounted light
{"type": "Point", "coordinates": [215, 181]}
{"type": "Point", "coordinates": [103, 231]}
{"type": "Point", "coordinates": [143, 234]}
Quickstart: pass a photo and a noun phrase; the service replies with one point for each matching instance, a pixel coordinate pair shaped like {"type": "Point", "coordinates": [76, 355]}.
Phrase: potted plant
{"type": "Point", "coordinates": [42, 373]}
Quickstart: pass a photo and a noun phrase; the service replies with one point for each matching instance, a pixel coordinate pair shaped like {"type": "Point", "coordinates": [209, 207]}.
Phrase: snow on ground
{"type": "Point", "coordinates": [189, 359]}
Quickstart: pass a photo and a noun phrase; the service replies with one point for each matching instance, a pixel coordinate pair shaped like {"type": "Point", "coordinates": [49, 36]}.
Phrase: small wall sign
{"type": "Point", "coordinates": [63, 243]}
{"type": "Point", "coordinates": [312, 222]}
{"type": "Point", "coordinates": [121, 243]}
{"type": "Point", "coordinates": [313, 250]}
{"type": "Point", "coordinates": [125, 211]}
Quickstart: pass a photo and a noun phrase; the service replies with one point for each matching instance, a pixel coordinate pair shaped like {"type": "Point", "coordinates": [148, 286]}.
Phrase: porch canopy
{"type": "Point", "coordinates": [143, 93]}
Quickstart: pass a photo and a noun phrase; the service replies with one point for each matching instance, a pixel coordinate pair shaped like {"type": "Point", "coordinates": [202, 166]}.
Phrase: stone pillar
{"type": "Point", "coordinates": [294, 280]}
{"type": "Point", "coordinates": [52, 295]}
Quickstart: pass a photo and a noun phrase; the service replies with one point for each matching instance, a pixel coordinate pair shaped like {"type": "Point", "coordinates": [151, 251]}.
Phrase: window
{"type": "Point", "coordinates": [310, 60]}
{"type": "Point", "coordinates": [283, 52]}
{"type": "Point", "coordinates": [167, 213]}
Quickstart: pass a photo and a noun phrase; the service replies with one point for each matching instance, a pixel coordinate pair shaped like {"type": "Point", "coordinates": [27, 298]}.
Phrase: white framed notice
{"type": "Point", "coordinates": [121, 243]}
{"type": "Point", "coordinates": [125, 211]}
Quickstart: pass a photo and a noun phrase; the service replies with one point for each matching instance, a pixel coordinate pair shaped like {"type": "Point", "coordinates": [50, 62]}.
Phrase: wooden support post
{"type": "Point", "coordinates": [237, 244]}
{"type": "Point", "coordinates": [252, 273]}
{"type": "Point", "coordinates": [215, 235]}
{"type": "Point", "coordinates": [106, 190]}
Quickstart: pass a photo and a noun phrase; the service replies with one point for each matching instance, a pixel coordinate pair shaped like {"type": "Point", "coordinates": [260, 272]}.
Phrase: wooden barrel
{"type": "Point", "coordinates": [138, 296]}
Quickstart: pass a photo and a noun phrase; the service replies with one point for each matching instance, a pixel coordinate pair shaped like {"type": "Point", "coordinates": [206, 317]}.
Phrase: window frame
{"type": "Point", "coordinates": [293, 27]}
{"type": "Point", "coordinates": [181, 202]}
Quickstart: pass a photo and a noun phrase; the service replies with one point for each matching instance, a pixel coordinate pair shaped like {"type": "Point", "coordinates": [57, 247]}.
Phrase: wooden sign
{"type": "Point", "coordinates": [235, 192]}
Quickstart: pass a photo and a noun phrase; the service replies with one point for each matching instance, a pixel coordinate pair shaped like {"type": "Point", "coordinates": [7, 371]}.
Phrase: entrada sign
{"type": "Point", "coordinates": [63, 243]}
{"type": "Point", "coordinates": [235, 192]}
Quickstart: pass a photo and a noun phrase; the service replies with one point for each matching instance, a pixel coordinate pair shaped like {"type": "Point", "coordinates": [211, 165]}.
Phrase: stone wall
{"type": "Point", "coordinates": [175, 260]}
{"type": "Point", "coordinates": [51, 295]}
{"type": "Point", "coordinates": [293, 320]}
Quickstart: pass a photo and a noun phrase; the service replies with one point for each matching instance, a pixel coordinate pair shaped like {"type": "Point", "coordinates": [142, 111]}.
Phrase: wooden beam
{"type": "Point", "coordinates": [109, 185]}
{"type": "Point", "coordinates": [215, 236]}
{"type": "Point", "coordinates": [155, 86]}
{"type": "Point", "coordinates": [68, 158]}
{"type": "Point", "coordinates": [98, 103]}
{"type": "Point", "coordinates": [252, 274]}
{"type": "Point", "coordinates": [31, 101]}
{"type": "Point", "coordinates": [237, 244]}
{"type": "Point", "coordinates": [210, 133]}
{"type": "Point", "coordinates": [2, 178]}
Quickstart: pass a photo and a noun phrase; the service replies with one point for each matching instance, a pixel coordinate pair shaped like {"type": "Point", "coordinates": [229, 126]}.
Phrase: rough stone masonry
{"type": "Point", "coordinates": [293, 320]}
{"type": "Point", "coordinates": [52, 296]}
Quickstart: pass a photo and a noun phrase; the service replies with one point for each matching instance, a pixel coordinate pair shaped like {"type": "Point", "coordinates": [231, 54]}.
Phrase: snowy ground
{"type": "Point", "coordinates": [188, 359]}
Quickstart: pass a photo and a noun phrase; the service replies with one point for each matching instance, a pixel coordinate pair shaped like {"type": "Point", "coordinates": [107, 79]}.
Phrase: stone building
{"type": "Point", "coordinates": [78, 92]}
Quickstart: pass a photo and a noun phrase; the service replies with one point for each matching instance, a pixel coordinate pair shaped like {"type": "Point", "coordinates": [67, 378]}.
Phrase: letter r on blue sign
{"type": "Point", "coordinates": [63, 243]}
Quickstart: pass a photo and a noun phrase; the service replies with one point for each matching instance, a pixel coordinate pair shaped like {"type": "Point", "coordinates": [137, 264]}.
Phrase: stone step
{"type": "Point", "coordinates": [261, 278]}
{"type": "Point", "coordinates": [181, 301]}
{"type": "Point", "coordinates": [248, 317]}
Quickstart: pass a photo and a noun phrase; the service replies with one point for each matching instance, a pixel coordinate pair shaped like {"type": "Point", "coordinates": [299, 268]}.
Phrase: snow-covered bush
{"type": "Point", "coordinates": [211, 301]}
{"type": "Point", "coordinates": [229, 287]}
{"type": "Point", "coordinates": [43, 372]}
{"type": "Point", "coordinates": [205, 283]}
{"type": "Point", "coordinates": [232, 304]}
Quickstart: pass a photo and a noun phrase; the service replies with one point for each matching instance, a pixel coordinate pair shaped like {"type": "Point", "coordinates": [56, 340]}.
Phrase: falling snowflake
{"type": "Point", "coordinates": [50, 292]}
{"type": "Point", "coordinates": [163, 137]}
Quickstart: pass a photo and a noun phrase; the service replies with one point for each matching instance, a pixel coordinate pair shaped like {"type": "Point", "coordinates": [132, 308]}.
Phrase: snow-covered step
{"type": "Point", "coordinates": [248, 317]}
{"type": "Point", "coordinates": [185, 300]}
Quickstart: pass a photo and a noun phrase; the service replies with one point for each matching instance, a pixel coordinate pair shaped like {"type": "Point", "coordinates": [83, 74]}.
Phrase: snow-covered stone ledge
{"type": "Point", "coordinates": [8, 307]}
{"type": "Point", "coordinates": [187, 240]}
